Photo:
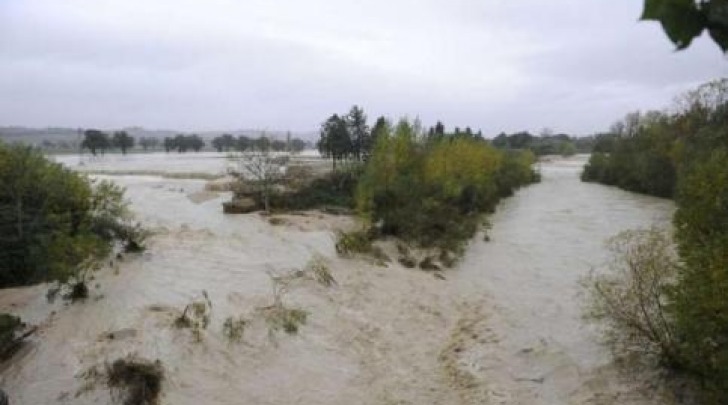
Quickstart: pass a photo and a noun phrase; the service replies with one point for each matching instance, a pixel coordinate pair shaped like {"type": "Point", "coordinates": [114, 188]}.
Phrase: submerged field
{"type": "Point", "coordinates": [504, 325]}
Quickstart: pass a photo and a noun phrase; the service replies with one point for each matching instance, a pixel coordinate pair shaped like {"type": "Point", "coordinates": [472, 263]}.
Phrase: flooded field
{"type": "Point", "coordinates": [504, 326]}
{"type": "Point", "coordinates": [173, 164]}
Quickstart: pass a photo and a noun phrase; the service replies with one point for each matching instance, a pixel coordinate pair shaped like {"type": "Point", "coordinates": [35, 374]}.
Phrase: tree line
{"type": "Point", "coordinates": [545, 144]}
{"type": "Point", "coordinates": [183, 143]}
{"type": "Point", "coordinates": [228, 143]}
{"type": "Point", "coordinates": [97, 141]}
{"type": "Point", "coordinates": [683, 154]}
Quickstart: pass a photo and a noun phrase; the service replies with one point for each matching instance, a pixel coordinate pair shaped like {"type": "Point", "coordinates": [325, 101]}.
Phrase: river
{"type": "Point", "coordinates": [503, 327]}
{"type": "Point", "coordinates": [543, 241]}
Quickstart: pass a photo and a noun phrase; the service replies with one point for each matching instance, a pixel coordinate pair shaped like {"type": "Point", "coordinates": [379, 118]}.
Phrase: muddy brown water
{"type": "Point", "coordinates": [504, 327]}
{"type": "Point", "coordinates": [543, 241]}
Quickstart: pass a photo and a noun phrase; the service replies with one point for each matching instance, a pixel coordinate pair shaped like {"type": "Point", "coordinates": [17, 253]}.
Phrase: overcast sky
{"type": "Point", "coordinates": [500, 65]}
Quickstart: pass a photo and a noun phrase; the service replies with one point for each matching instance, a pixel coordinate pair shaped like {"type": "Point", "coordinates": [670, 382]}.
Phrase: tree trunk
{"type": "Point", "coordinates": [19, 215]}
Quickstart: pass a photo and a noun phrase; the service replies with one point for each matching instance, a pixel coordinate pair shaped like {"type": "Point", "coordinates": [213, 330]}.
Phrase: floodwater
{"type": "Point", "coordinates": [173, 163]}
{"type": "Point", "coordinates": [503, 327]}
{"type": "Point", "coordinates": [544, 240]}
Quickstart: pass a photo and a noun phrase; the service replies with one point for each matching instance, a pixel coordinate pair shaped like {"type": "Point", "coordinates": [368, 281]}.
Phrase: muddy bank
{"type": "Point", "coordinates": [503, 327]}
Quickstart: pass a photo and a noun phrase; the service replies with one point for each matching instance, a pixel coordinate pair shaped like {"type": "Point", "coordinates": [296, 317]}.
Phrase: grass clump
{"type": "Point", "coordinates": [320, 272]}
{"type": "Point", "coordinates": [279, 317]}
{"type": "Point", "coordinates": [233, 329]}
{"type": "Point", "coordinates": [351, 243]}
{"type": "Point", "coordinates": [135, 381]}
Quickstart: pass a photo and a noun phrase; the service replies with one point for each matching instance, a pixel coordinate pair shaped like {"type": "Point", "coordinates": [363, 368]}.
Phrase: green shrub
{"type": "Point", "coordinates": [683, 154]}
{"type": "Point", "coordinates": [700, 301]}
{"type": "Point", "coordinates": [355, 242]}
{"type": "Point", "coordinates": [432, 192]}
{"type": "Point", "coordinates": [9, 326]}
{"type": "Point", "coordinates": [335, 189]}
{"type": "Point", "coordinates": [55, 224]}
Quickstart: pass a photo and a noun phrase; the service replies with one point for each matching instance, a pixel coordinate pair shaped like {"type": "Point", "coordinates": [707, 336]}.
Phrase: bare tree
{"type": "Point", "coordinates": [261, 170]}
{"type": "Point", "coordinates": [630, 300]}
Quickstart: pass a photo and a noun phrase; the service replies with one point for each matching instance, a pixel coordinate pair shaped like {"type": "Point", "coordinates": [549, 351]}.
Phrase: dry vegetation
{"type": "Point", "coordinates": [629, 300]}
{"type": "Point", "coordinates": [196, 316]}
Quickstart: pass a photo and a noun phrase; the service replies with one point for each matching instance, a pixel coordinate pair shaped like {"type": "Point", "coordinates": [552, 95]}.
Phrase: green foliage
{"type": "Point", "coordinates": [9, 325]}
{"type": "Point", "coordinates": [111, 219]}
{"type": "Point", "coordinates": [95, 140]}
{"type": "Point", "coordinates": [183, 143]}
{"type": "Point", "coordinates": [335, 189]}
{"type": "Point", "coordinates": [685, 153]}
{"type": "Point", "coordinates": [515, 171]}
{"type": "Point", "coordinates": [335, 139]}
{"type": "Point", "coordinates": [431, 190]}
{"type": "Point", "coordinates": [359, 130]}
{"type": "Point", "coordinates": [56, 224]}
{"type": "Point", "coordinates": [350, 243]}
{"type": "Point", "coordinates": [347, 136]}
{"type": "Point", "coordinates": [700, 300]}
{"type": "Point", "coordinates": [685, 20]}
{"type": "Point", "coordinates": [123, 141]}
{"type": "Point", "coordinates": [546, 144]}
{"type": "Point", "coordinates": [224, 143]}
{"type": "Point", "coordinates": [640, 156]}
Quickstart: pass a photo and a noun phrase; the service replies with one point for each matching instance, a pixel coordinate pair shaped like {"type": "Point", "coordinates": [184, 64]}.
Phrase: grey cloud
{"type": "Point", "coordinates": [497, 65]}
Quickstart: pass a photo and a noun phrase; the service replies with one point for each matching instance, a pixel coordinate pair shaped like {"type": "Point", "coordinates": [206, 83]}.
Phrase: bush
{"type": "Point", "coordinates": [9, 326]}
{"type": "Point", "coordinates": [700, 301]}
{"type": "Point", "coordinates": [433, 191]}
{"type": "Point", "coordinates": [56, 224]}
{"type": "Point", "coordinates": [630, 299]}
{"type": "Point", "coordinates": [641, 156]}
{"type": "Point", "coordinates": [135, 381]}
{"type": "Point", "coordinates": [355, 242]}
{"type": "Point", "coordinates": [335, 189]}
